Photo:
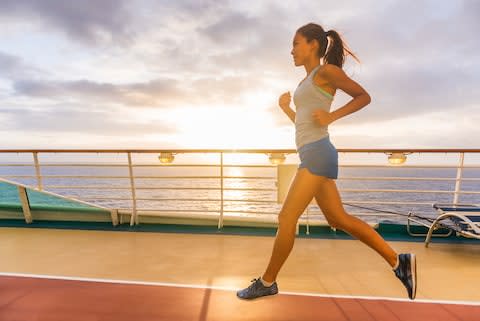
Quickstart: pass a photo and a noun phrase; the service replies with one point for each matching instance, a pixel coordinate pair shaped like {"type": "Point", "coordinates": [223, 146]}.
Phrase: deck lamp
{"type": "Point", "coordinates": [166, 157]}
{"type": "Point", "coordinates": [397, 158]}
{"type": "Point", "coordinates": [276, 158]}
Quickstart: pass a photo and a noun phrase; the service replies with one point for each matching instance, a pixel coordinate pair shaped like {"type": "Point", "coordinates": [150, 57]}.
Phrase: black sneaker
{"type": "Point", "coordinates": [407, 273]}
{"type": "Point", "coordinates": [257, 289]}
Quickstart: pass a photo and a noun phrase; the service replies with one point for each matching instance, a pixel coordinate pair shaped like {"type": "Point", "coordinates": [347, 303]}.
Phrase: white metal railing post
{"type": "Point", "coordinates": [22, 195]}
{"type": "Point", "coordinates": [308, 221]}
{"type": "Point", "coordinates": [133, 218]}
{"type": "Point", "coordinates": [220, 220]}
{"type": "Point", "coordinates": [458, 181]}
{"type": "Point", "coordinates": [37, 171]}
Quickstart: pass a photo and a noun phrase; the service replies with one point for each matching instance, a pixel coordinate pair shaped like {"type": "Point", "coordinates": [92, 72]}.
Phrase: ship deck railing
{"type": "Point", "coordinates": [36, 165]}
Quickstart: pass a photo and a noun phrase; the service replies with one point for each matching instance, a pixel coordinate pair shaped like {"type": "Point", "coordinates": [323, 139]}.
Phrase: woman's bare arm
{"type": "Point", "coordinates": [337, 79]}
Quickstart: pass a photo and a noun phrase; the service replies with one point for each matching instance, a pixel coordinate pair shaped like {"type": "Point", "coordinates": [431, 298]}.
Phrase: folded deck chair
{"type": "Point", "coordinates": [463, 219]}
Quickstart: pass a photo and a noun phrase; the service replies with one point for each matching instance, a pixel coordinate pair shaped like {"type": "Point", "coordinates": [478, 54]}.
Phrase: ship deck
{"type": "Point", "coordinates": [74, 274]}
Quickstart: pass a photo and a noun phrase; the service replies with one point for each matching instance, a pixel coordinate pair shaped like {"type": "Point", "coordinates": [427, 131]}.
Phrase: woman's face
{"type": "Point", "coordinates": [302, 50]}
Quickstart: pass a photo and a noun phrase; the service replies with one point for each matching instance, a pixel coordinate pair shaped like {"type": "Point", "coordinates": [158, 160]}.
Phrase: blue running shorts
{"type": "Point", "coordinates": [320, 158]}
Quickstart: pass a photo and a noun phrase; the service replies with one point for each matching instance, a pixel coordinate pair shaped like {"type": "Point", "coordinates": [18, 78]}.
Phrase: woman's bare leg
{"type": "Point", "coordinates": [329, 200]}
{"type": "Point", "coordinates": [302, 190]}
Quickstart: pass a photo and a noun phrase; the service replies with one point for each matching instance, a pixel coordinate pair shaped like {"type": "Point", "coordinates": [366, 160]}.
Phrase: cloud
{"type": "Point", "coordinates": [81, 119]}
{"type": "Point", "coordinates": [232, 29]}
{"type": "Point", "coordinates": [432, 130]}
{"type": "Point", "coordinates": [416, 61]}
{"type": "Point", "coordinates": [418, 57]}
{"type": "Point", "coordinates": [9, 64]}
{"type": "Point", "coordinates": [89, 21]}
{"type": "Point", "coordinates": [155, 93]}
{"type": "Point", "coordinates": [13, 67]}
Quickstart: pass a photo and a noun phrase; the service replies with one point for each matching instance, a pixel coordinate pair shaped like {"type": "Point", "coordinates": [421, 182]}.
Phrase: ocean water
{"type": "Point", "coordinates": [189, 195]}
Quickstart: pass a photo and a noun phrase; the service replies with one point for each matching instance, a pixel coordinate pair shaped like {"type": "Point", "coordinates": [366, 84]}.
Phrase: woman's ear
{"type": "Point", "coordinates": [315, 45]}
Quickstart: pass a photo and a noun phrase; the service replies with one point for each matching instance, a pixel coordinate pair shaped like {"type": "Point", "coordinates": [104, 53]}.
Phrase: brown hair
{"type": "Point", "coordinates": [335, 53]}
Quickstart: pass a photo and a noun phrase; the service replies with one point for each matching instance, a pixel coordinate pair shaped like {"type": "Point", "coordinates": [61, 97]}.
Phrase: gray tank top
{"type": "Point", "coordinates": [307, 98]}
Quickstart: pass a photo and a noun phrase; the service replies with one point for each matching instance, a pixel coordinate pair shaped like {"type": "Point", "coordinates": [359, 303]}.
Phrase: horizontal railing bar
{"type": "Point", "coordinates": [154, 188]}
{"type": "Point", "coordinates": [209, 188]}
{"type": "Point", "coordinates": [395, 191]}
{"type": "Point", "coordinates": [138, 165]}
{"type": "Point", "coordinates": [112, 165]}
{"type": "Point", "coordinates": [247, 212]}
{"type": "Point", "coordinates": [100, 198]}
{"type": "Point", "coordinates": [82, 165]}
{"type": "Point", "coordinates": [203, 211]}
{"type": "Point", "coordinates": [387, 202]}
{"type": "Point", "coordinates": [259, 189]}
{"type": "Point", "coordinates": [245, 189]}
{"type": "Point", "coordinates": [209, 177]}
{"type": "Point", "coordinates": [66, 176]}
{"type": "Point", "coordinates": [240, 165]}
{"type": "Point", "coordinates": [382, 178]}
{"type": "Point", "coordinates": [238, 151]}
{"type": "Point", "coordinates": [208, 200]}
{"type": "Point", "coordinates": [170, 210]}
{"type": "Point", "coordinates": [203, 165]}
{"type": "Point", "coordinates": [158, 188]}
{"type": "Point", "coordinates": [246, 177]}
{"type": "Point", "coordinates": [303, 218]}
{"type": "Point", "coordinates": [85, 187]}
{"type": "Point", "coordinates": [18, 176]}
{"type": "Point", "coordinates": [366, 178]}
{"type": "Point", "coordinates": [357, 214]}
{"type": "Point", "coordinates": [179, 199]}
{"type": "Point", "coordinates": [176, 165]}
{"type": "Point", "coordinates": [373, 213]}
{"type": "Point", "coordinates": [342, 178]}
{"type": "Point", "coordinates": [251, 212]}
{"type": "Point", "coordinates": [251, 189]}
{"type": "Point", "coordinates": [142, 177]}
{"type": "Point", "coordinates": [406, 166]}
{"type": "Point", "coordinates": [248, 200]}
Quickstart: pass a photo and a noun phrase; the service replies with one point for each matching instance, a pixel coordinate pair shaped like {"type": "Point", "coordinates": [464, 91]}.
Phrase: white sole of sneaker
{"type": "Point", "coordinates": [263, 297]}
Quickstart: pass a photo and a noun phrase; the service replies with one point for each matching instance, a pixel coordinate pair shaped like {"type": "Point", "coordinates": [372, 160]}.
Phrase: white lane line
{"type": "Point", "coordinates": [231, 289]}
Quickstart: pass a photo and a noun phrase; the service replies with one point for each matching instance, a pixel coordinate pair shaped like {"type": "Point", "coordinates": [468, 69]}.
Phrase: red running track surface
{"type": "Point", "coordinates": [30, 298]}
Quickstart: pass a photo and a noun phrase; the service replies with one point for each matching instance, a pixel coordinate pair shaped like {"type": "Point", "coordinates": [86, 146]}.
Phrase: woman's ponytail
{"type": "Point", "coordinates": [337, 50]}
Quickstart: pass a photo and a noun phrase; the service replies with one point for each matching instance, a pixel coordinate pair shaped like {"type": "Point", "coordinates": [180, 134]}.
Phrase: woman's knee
{"type": "Point", "coordinates": [287, 221]}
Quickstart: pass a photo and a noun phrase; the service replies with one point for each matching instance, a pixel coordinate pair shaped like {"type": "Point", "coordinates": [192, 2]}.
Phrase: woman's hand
{"type": "Point", "coordinates": [284, 100]}
{"type": "Point", "coordinates": [284, 103]}
{"type": "Point", "coordinates": [322, 117]}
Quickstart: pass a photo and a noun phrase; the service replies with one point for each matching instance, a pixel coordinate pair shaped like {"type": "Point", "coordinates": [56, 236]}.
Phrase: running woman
{"type": "Point", "coordinates": [322, 54]}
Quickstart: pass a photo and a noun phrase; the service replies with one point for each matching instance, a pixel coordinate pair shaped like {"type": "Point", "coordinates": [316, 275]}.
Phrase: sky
{"type": "Point", "coordinates": [207, 74]}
